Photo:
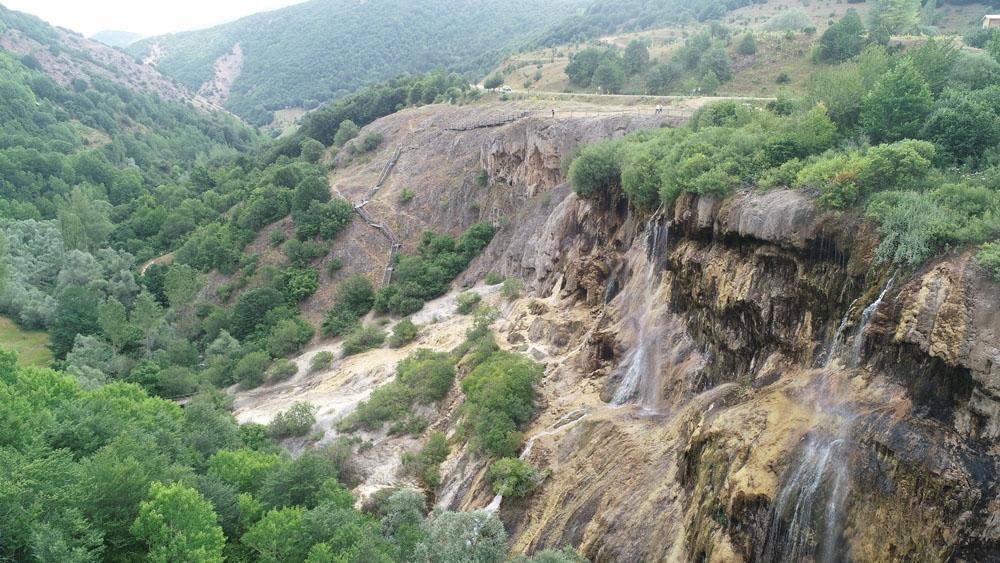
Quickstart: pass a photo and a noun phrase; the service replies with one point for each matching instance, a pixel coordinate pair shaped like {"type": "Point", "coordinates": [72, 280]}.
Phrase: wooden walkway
{"type": "Point", "coordinates": [359, 208]}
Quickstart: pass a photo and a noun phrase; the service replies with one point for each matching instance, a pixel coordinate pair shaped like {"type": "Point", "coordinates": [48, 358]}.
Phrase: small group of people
{"type": "Point", "coordinates": [659, 109]}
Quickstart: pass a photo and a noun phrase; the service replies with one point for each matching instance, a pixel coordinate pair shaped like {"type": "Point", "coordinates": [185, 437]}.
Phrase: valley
{"type": "Point", "coordinates": [589, 284]}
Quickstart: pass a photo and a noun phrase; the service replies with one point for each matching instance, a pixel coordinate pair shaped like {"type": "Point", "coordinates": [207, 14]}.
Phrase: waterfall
{"type": "Point", "coordinates": [806, 519]}
{"type": "Point", "coordinates": [837, 347]}
{"type": "Point", "coordinates": [640, 369]}
{"type": "Point", "coordinates": [866, 316]}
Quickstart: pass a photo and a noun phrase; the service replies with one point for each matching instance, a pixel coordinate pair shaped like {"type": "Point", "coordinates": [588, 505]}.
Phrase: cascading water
{"type": "Point", "coordinates": [641, 367]}
{"type": "Point", "coordinates": [838, 346]}
{"type": "Point", "coordinates": [806, 519]}
{"type": "Point", "coordinates": [854, 359]}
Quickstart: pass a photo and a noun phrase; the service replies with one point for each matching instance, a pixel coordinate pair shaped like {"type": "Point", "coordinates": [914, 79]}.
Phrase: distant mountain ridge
{"type": "Point", "coordinates": [115, 38]}
{"type": "Point", "coordinates": [310, 53]}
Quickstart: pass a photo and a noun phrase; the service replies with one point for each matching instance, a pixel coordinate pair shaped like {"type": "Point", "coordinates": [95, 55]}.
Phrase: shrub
{"type": "Point", "coordinates": [301, 253]}
{"type": "Point", "coordinates": [500, 396]}
{"type": "Point", "coordinates": [427, 374]}
{"type": "Point", "coordinates": [296, 421]}
{"type": "Point", "coordinates": [347, 131]}
{"type": "Point", "coordinates": [249, 371]}
{"type": "Point", "coordinates": [363, 338]}
{"type": "Point", "coordinates": [321, 361]}
{"type": "Point", "coordinates": [492, 278]}
{"type": "Point", "coordinates": [747, 45]}
{"type": "Point", "coordinates": [596, 172]}
{"type": "Point", "coordinates": [276, 237]}
{"type": "Point", "coordinates": [406, 196]}
{"type": "Point", "coordinates": [842, 40]}
{"type": "Point", "coordinates": [334, 266]}
{"type": "Point", "coordinates": [281, 370]}
{"type": "Point", "coordinates": [782, 78]}
{"type": "Point", "coordinates": [355, 298]}
{"type": "Point", "coordinates": [288, 337]}
{"type": "Point", "coordinates": [989, 257]}
{"type": "Point", "coordinates": [512, 289]}
{"type": "Point", "coordinates": [426, 464]}
{"type": "Point", "coordinates": [467, 302]}
{"type": "Point", "coordinates": [403, 333]}
{"type": "Point", "coordinates": [512, 477]}
{"type": "Point", "coordinates": [423, 377]}
{"type": "Point", "coordinates": [482, 178]}
{"type": "Point", "coordinates": [370, 142]}
{"type": "Point", "coordinates": [896, 108]}
{"type": "Point", "coordinates": [298, 283]}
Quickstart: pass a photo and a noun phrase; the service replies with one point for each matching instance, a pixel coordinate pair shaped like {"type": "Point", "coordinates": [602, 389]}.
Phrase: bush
{"type": "Point", "coordinates": [782, 78]}
{"type": "Point", "coordinates": [355, 298]}
{"type": "Point", "coordinates": [426, 464]}
{"type": "Point", "coordinates": [288, 337]}
{"type": "Point", "coordinates": [512, 477]}
{"type": "Point", "coordinates": [297, 283]}
{"type": "Point", "coordinates": [347, 131]}
{"type": "Point", "coordinates": [842, 40]}
{"type": "Point", "coordinates": [492, 278]}
{"type": "Point", "coordinates": [301, 253]}
{"type": "Point", "coordinates": [467, 302]}
{"type": "Point", "coordinates": [989, 257]}
{"type": "Point", "coordinates": [500, 396]}
{"type": "Point", "coordinates": [483, 178]}
{"type": "Point", "coordinates": [747, 45]}
{"type": "Point", "coordinates": [423, 377]}
{"type": "Point", "coordinates": [363, 338]}
{"type": "Point", "coordinates": [296, 421]}
{"type": "Point", "coordinates": [281, 370]}
{"type": "Point", "coordinates": [403, 333]}
{"type": "Point", "coordinates": [334, 266]}
{"type": "Point", "coordinates": [321, 361]}
{"type": "Point", "coordinates": [596, 172]}
{"type": "Point", "coordinates": [406, 196]}
{"type": "Point", "coordinates": [249, 371]}
{"type": "Point", "coordinates": [370, 142]}
{"type": "Point", "coordinates": [512, 289]}
{"type": "Point", "coordinates": [896, 108]}
{"type": "Point", "coordinates": [276, 237]}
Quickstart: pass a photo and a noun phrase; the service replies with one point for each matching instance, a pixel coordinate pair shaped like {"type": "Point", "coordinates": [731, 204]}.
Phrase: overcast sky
{"type": "Point", "coordinates": [148, 17]}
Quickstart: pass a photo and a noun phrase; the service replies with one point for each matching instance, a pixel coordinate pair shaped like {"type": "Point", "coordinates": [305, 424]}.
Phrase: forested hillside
{"type": "Point", "coordinates": [324, 49]}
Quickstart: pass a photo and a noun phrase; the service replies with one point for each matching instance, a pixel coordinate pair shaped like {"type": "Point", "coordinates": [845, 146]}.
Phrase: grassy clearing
{"type": "Point", "coordinates": [32, 346]}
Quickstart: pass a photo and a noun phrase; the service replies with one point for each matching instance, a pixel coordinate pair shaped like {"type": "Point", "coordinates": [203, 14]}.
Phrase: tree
{"type": "Point", "coordinates": [747, 45]}
{"type": "Point", "coordinates": [181, 285]}
{"type": "Point", "coordinates": [898, 105]}
{"type": "Point", "coordinates": [596, 171]}
{"type": "Point", "coordinates": [842, 40]}
{"type": "Point", "coordinates": [636, 56]}
{"type": "Point", "coordinates": [84, 220]}
{"type": "Point", "coordinates": [312, 150]}
{"type": "Point", "coordinates": [493, 82]}
{"type": "Point", "coordinates": [716, 61]}
{"type": "Point", "coordinates": [279, 536]}
{"type": "Point", "coordinates": [76, 313]}
{"type": "Point", "coordinates": [512, 477]}
{"type": "Point", "coordinates": [609, 76]}
{"type": "Point", "coordinates": [178, 524]}
{"type": "Point", "coordinates": [661, 77]}
{"type": "Point", "coordinates": [893, 17]}
{"type": "Point", "coordinates": [583, 65]}
{"type": "Point", "coordinates": [463, 537]}
{"type": "Point", "coordinates": [934, 60]}
{"type": "Point", "coordinates": [347, 131]}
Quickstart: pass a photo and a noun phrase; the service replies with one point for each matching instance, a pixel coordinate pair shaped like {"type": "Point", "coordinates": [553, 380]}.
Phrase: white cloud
{"type": "Point", "coordinates": [141, 16]}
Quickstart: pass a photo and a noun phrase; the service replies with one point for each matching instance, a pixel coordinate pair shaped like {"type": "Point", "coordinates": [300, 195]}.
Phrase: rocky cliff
{"type": "Point", "coordinates": [726, 380]}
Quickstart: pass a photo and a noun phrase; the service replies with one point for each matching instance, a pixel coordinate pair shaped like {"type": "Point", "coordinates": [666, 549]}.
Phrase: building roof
{"type": "Point", "coordinates": [991, 17]}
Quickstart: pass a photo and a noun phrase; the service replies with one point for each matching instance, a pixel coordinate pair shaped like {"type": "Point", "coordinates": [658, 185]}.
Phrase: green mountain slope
{"type": "Point", "coordinates": [324, 49]}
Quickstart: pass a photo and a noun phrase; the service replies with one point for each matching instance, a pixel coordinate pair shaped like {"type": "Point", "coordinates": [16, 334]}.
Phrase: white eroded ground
{"type": "Point", "coordinates": [337, 391]}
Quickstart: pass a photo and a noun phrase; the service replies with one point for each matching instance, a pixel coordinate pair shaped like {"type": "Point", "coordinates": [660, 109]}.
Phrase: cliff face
{"type": "Point", "coordinates": [744, 386]}
{"type": "Point", "coordinates": [727, 379]}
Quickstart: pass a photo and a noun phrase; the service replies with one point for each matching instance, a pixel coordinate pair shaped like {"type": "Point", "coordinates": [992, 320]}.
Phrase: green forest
{"type": "Point", "coordinates": [321, 50]}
